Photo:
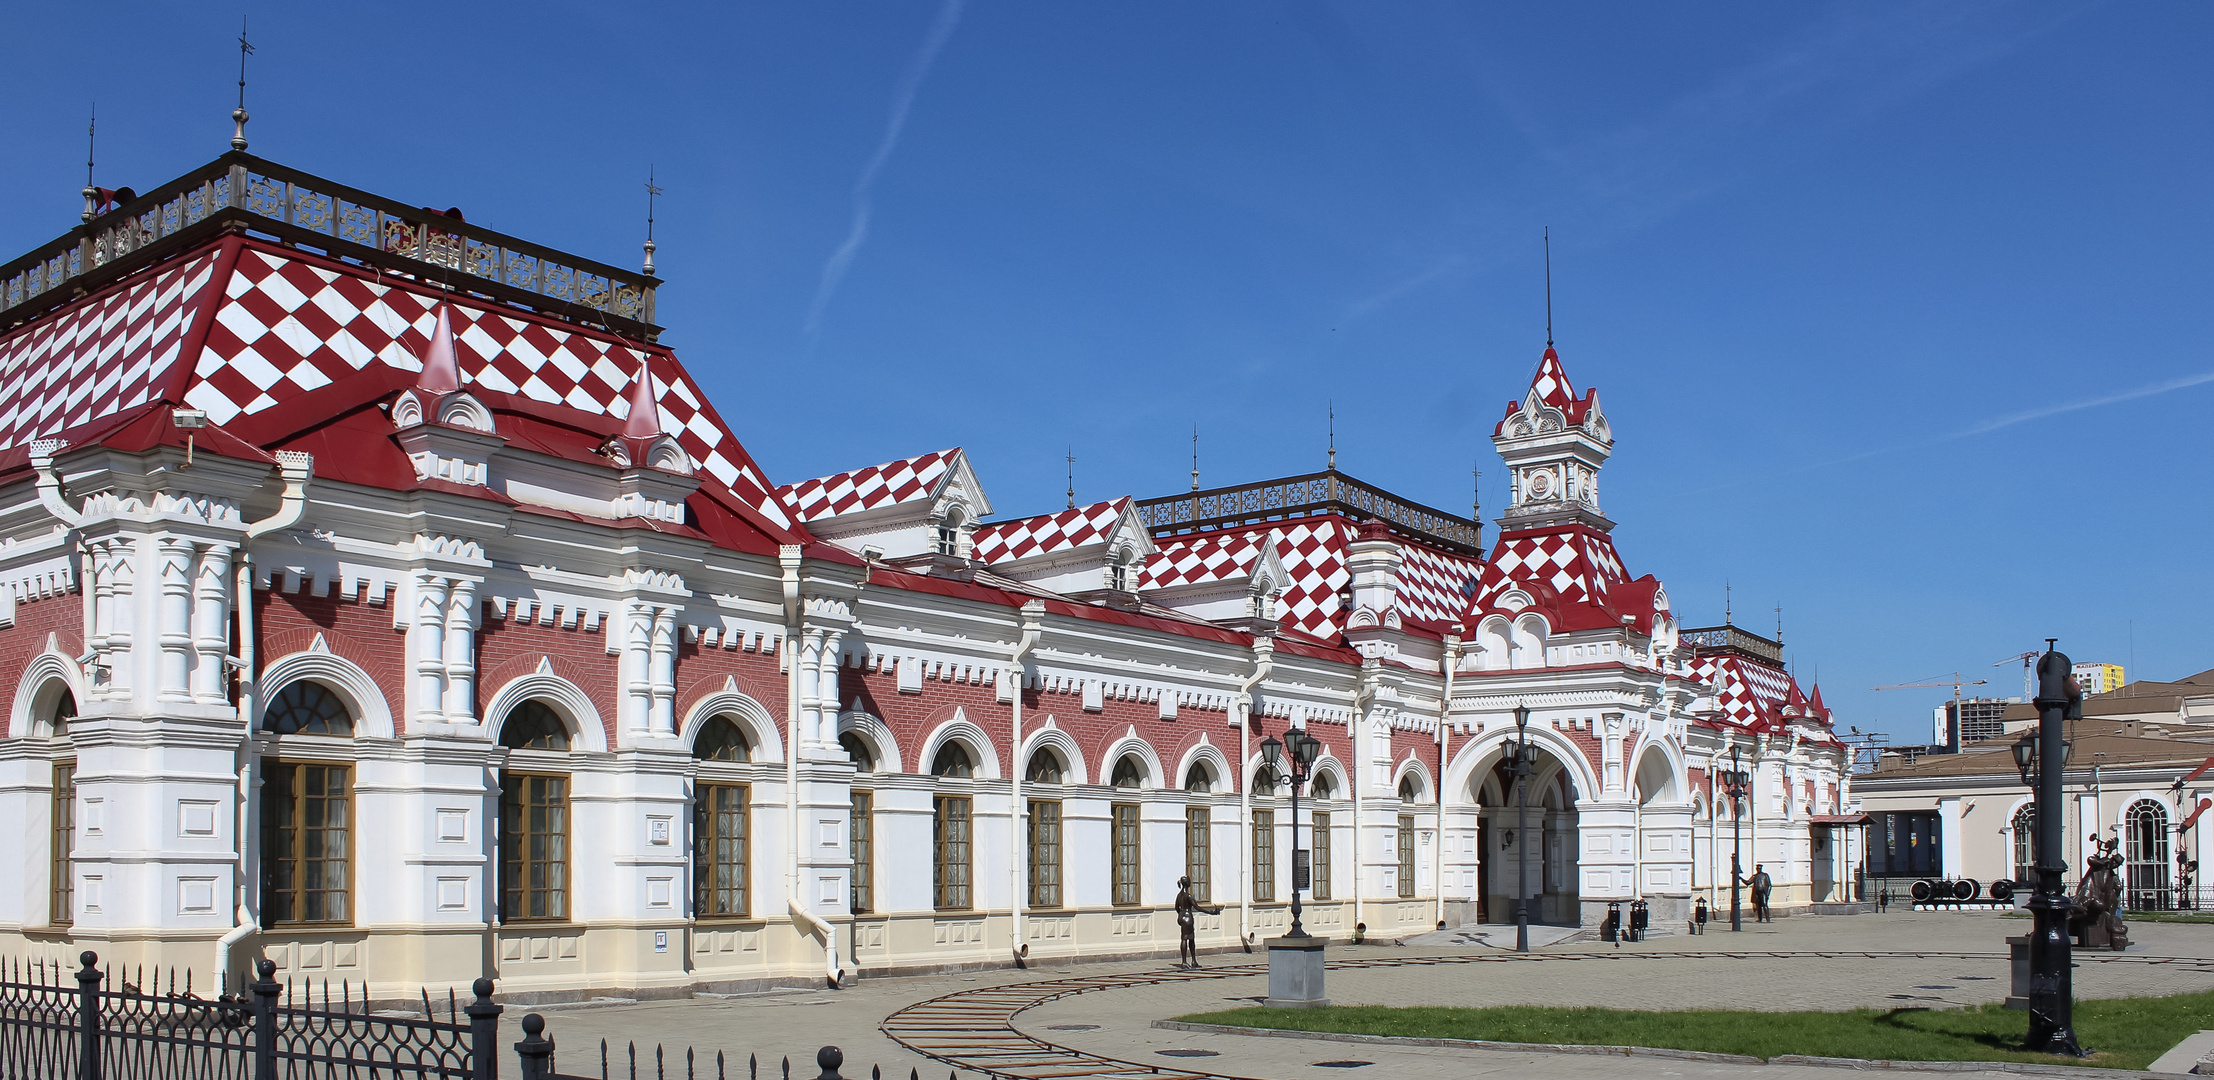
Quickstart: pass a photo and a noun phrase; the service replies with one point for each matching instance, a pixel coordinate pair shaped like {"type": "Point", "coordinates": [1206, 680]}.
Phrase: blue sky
{"type": "Point", "coordinates": [1899, 310]}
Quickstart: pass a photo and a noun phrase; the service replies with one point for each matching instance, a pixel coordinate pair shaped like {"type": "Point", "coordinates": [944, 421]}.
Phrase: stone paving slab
{"type": "Point", "coordinates": [1715, 970]}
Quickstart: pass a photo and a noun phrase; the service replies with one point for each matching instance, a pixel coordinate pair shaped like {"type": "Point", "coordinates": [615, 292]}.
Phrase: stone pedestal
{"type": "Point", "coordinates": [1295, 972]}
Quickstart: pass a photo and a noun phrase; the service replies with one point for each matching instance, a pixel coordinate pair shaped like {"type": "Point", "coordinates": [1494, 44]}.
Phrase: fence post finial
{"type": "Point", "coordinates": [830, 1057]}
{"type": "Point", "coordinates": [266, 991]}
{"type": "Point", "coordinates": [484, 1032]}
{"type": "Point", "coordinates": [535, 1051]}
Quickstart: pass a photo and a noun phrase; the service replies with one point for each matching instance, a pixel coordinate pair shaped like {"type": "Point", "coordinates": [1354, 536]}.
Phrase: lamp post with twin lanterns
{"type": "Point", "coordinates": [1521, 758]}
{"type": "Point", "coordinates": [1304, 749]}
{"type": "Point", "coordinates": [1735, 782]}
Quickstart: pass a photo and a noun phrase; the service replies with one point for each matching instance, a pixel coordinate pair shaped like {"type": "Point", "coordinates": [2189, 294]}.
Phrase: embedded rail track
{"type": "Point", "coordinates": [974, 1030]}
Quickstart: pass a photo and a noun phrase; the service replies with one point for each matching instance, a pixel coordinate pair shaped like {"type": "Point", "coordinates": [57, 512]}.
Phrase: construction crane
{"type": "Point", "coordinates": [1956, 682]}
{"type": "Point", "coordinates": [2028, 661]}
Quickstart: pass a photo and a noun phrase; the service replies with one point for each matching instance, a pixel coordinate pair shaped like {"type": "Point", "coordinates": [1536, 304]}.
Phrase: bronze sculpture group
{"type": "Point", "coordinates": [2097, 919]}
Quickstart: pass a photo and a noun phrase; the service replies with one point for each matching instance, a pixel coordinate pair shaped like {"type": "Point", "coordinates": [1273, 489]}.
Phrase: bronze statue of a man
{"type": "Point", "coordinates": [1187, 908]}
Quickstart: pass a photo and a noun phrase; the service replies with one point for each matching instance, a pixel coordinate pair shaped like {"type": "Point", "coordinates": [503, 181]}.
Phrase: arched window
{"type": "Point", "coordinates": [1118, 572]}
{"type": "Point", "coordinates": [1129, 773]}
{"type": "Point", "coordinates": [953, 761]}
{"type": "Point", "coordinates": [306, 707]}
{"type": "Point", "coordinates": [722, 740]}
{"type": "Point", "coordinates": [2025, 843]}
{"type": "Point", "coordinates": [1324, 787]}
{"type": "Point", "coordinates": [1267, 781]}
{"type": "Point", "coordinates": [2145, 849]}
{"type": "Point", "coordinates": [534, 726]}
{"type": "Point", "coordinates": [858, 750]}
{"type": "Point", "coordinates": [1410, 789]}
{"type": "Point", "coordinates": [1199, 777]}
{"type": "Point", "coordinates": [60, 711]}
{"type": "Point", "coordinates": [1045, 768]}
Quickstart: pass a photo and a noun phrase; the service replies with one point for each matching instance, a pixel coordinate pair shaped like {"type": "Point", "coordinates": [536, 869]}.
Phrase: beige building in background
{"type": "Point", "coordinates": [2136, 772]}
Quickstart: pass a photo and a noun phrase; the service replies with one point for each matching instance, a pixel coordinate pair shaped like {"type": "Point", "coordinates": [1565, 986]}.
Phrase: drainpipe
{"type": "Point", "coordinates": [1445, 709]}
{"type": "Point", "coordinates": [788, 560]}
{"type": "Point", "coordinates": [1362, 696]}
{"type": "Point", "coordinates": [295, 469]}
{"type": "Point", "coordinates": [1264, 653]}
{"type": "Point", "coordinates": [1018, 897]}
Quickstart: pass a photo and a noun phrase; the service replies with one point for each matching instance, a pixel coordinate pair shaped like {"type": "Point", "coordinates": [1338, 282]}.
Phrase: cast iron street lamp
{"type": "Point", "coordinates": [1522, 756]}
{"type": "Point", "coordinates": [1734, 784]}
{"type": "Point", "coordinates": [2051, 989]}
{"type": "Point", "coordinates": [1304, 748]}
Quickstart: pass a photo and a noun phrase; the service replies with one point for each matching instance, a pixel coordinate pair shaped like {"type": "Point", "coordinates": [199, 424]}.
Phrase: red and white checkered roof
{"type": "Point", "coordinates": [1045, 534]}
{"type": "Point", "coordinates": [1577, 563]}
{"type": "Point", "coordinates": [1434, 586]}
{"type": "Point", "coordinates": [1312, 551]}
{"type": "Point", "coordinates": [1202, 558]}
{"type": "Point", "coordinates": [1754, 695]}
{"type": "Point", "coordinates": [112, 352]}
{"type": "Point", "coordinates": [894, 482]}
{"type": "Point", "coordinates": [1551, 386]}
{"type": "Point", "coordinates": [288, 326]}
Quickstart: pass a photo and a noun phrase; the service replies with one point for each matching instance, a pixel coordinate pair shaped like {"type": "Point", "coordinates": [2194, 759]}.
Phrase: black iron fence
{"type": "Point", "coordinates": [98, 1024]}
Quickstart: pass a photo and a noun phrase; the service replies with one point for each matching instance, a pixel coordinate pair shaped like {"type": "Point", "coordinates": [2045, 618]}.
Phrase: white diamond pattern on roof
{"type": "Point", "coordinates": [1313, 555]}
{"type": "Point", "coordinates": [101, 357]}
{"type": "Point", "coordinates": [287, 327]}
{"type": "Point", "coordinates": [1191, 560]}
{"type": "Point", "coordinates": [1045, 534]}
{"type": "Point", "coordinates": [866, 489]}
{"type": "Point", "coordinates": [1432, 584]}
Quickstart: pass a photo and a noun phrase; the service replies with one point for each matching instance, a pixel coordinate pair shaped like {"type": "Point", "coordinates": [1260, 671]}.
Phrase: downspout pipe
{"type": "Point", "coordinates": [788, 562]}
{"type": "Point", "coordinates": [296, 469]}
{"type": "Point", "coordinates": [1018, 897]}
{"type": "Point", "coordinates": [1445, 710]}
{"type": "Point", "coordinates": [1362, 696]}
{"type": "Point", "coordinates": [1264, 657]}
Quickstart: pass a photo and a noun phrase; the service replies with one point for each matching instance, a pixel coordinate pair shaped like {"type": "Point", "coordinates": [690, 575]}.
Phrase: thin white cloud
{"type": "Point", "coordinates": [2011, 419]}
{"type": "Point", "coordinates": [903, 99]}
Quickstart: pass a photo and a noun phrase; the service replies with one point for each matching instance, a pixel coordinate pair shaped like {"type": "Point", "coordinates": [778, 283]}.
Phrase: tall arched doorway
{"type": "Point", "coordinates": [1539, 847]}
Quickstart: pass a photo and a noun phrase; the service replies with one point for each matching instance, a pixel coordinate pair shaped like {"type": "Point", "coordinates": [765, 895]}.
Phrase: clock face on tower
{"type": "Point", "coordinates": [1541, 485]}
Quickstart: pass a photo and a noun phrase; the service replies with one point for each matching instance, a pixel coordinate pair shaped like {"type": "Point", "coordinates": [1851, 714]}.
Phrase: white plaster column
{"type": "Point", "coordinates": [810, 660]}
{"type": "Point", "coordinates": [1948, 836]}
{"type": "Point", "coordinates": [174, 619]}
{"type": "Point", "coordinates": [633, 664]}
{"type": "Point", "coordinates": [460, 653]}
{"type": "Point", "coordinates": [824, 731]}
{"type": "Point", "coordinates": [427, 643]}
{"type": "Point", "coordinates": [211, 612]}
{"type": "Point", "coordinates": [661, 673]}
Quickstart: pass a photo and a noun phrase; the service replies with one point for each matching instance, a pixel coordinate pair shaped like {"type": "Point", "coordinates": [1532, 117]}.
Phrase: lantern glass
{"type": "Point", "coordinates": [1272, 750]}
{"type": "Point", "coordinates": [2025, 752]}
{"type": "Point", "coordinates": [1306, 748]}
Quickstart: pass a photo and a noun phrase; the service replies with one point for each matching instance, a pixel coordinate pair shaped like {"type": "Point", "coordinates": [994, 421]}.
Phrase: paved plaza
{"type": "Point", "coordinates": [1105, 1012]}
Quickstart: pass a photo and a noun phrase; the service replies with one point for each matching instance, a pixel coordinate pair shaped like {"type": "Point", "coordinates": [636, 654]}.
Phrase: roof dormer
{"type": "Point", "coordinates": [1089, 552]}
{"type": "Point", "coordinates": [446, 432]}
{"type": "Point", "coordinates": [927, 506]}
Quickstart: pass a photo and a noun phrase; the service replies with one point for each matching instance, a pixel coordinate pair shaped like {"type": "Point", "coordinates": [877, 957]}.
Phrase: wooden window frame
{"type": "Point", "coordinates": [1199, 851]}
{"type": "Point", "coordinates": [1318, 855]}
{"type": "Point", "coordinates": [862, 893]}
{"type": "Point", "coordinates": [511, 844]}
{"type": "Point", "coordinates": [295, 851]}
{"type": "Point", "coordinates": [947, 895]}
{"type": "Point", "coordinates": [1264, 856]}
{"type": "Point", "coordinates": [708, 856]}
{"type": "Point", "coordinates": [1126, 871]}
{"type": "Point", "coordinates": [1046, 842]}
{"type": "Point", "coordinates": [1405, 841]}
{"type": "Point", "coordinates": [61, 879]}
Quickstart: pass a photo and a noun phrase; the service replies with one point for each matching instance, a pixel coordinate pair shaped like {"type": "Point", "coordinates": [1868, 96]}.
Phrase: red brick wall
{"type": "Point", "coordinates": [507, 650]}
{"type": "Point", "coordinates": [61, 616]}
{"type": "Point", "coordinates": [286, 623]}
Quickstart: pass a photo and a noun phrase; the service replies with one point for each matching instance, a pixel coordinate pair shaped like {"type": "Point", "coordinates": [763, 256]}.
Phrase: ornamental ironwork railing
{"type": "Point", "coordinates": [1733, 639]}
{"type": "Point", "coordinates": [241, 192]}
{"type": "Point", "coordinates": [1315, 493]}
{"type": "Point", "coordinates": [96, 1024]}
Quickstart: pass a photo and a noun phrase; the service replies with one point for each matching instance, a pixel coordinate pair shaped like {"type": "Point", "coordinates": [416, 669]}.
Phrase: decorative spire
{"type": "Point", "coordinates": [1333, 436]}
{"type": "Point", "coordinates": [1549, 290]}
{"type": "Point", "coordinates": [238, 137]}
{"type": "Point", "coordinates": [1072, 476]}
{"type": "Point", "coordinates": [441, 368]}
{"type": "Point", "coordinates": [651, 191]}
{"type": "Point", "coordinates": [645, 412]}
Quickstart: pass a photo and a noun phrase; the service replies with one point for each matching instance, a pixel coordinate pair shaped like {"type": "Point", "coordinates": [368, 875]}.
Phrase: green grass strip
{"type": "Point", "coordinates": [2123, 1033]}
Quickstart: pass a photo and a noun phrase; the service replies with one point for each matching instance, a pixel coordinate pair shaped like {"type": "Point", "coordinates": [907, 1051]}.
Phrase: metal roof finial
{"type": "Point", "coordinates": [1333, 436]}
{"type": "Point", "coordinates": [1548, 286]}
{"type": "Point", "coordinates": [238, 137]}
{"type": "Point", "coordinates": [92, 194]}
{"type": "Point", "coordinates": [651, 191]}
{"type": "Point", "coordinates": [1072, 476]}
{"type": "Point", "coordinates": [1725, 602]}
